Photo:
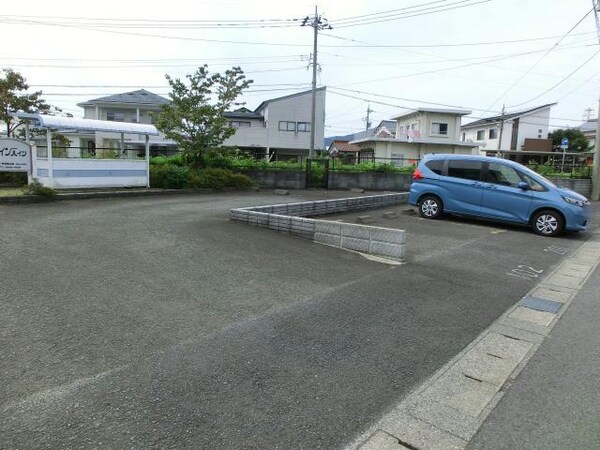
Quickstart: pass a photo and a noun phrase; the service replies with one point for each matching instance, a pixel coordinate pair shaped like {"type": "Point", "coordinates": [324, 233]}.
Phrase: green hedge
{"type": "Point", "coordinates": [170, 176]}
{"type": "Point", "coordinates": [13, 178]}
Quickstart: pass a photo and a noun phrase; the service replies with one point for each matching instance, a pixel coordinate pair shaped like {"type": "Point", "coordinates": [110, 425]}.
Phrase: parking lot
{"type": "Point", "coordinates": [156, 322]}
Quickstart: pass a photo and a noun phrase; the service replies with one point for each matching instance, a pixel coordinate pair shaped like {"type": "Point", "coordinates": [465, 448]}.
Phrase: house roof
{"type": "Point", "coordinates": [389, 124]}
{"type": "Point", "coordinates": [285, 97]}
{"type": "Point", "coordinates": [242, 115]}
{"type": "Point", "coordinates": [488, 120]}
{"type": "Point", "coordinates": [461, 112]}
{"type": "Point", "coordinates": [414, 141]}
{"type": "Point", "coordinates": [345, 146]}
{"type": "Point", "coordinates": [77, 124]}
{"type": "Point", "coordinates": [589, 126]}
{"type": "Point", "coordinates": [139, 97]}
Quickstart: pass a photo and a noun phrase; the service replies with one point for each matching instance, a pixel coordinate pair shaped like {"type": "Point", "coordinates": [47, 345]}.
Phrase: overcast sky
{"type": "Point", "coordinates": [74, 51]}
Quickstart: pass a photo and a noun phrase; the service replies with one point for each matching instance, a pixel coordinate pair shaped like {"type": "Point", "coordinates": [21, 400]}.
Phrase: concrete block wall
{"type": "Point", "coordinates": [291, 218]}
{"type": "Point", "coordinates": [279, 179]}
{"type": "Point", "coordinates": [582, 186]}
{"type": "Point", "coordinates": [376, 181]}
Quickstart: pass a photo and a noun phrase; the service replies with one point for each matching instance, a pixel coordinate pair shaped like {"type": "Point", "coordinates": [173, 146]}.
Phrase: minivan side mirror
{"type": "Point", "coordinates": [523, 185]}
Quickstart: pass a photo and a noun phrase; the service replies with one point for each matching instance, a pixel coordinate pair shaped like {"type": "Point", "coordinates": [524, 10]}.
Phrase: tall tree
{"type": "Point", "coordinates": [195, 118]}
{"type": "Point", "coordinates": [14, 97]}
{"type": "Point", "coordinates": [577, 140]}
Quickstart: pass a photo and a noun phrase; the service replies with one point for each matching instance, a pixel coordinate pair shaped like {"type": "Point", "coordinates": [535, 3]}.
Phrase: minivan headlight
{"type": "Point", "coordinates": [576, 201]}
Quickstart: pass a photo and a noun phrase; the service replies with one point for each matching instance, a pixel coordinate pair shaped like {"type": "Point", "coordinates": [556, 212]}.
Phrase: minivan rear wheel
{"type": "Point", "coordinates": [547, 223]}
{"type": "Point", "coordinates": [430, 207]}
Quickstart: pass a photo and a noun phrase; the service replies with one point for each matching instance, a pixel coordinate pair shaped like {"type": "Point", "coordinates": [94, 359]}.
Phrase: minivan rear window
{"type": "Point", "coordinates": [461, 168]}
{"type": "Point", "coordinates": [435, 166]}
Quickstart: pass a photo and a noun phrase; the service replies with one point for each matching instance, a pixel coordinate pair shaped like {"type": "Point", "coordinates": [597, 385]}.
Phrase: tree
{"type": "Point", "coordinates": [577, 140]}
{"type": "Point", "coordinates": [195, 118]}
{"type": "Point", "coordinates": [14, 97]}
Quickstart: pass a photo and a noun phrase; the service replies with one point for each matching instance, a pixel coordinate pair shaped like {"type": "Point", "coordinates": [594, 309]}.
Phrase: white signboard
{"type": "Point", "coordinates": [15, 156]}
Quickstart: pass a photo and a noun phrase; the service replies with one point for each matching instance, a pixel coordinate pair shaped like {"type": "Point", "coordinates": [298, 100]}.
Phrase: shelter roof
{"type": "Point", "coordinates": [77, 124]}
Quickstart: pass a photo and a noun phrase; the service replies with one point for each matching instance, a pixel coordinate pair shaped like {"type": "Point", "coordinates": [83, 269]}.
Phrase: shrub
{"type": "Point", "coordinates": [168, 176]}
{"type": "Point", "coordinates": [13, 178]}
{"type": "Point", "coordinates": [175, 160]}
{"type": "Point", "coordinates": [37, 188]}
{"type": "Point", "coordinates": [218, 159]}
{"type": "Point", "coordinates": [216, 178]}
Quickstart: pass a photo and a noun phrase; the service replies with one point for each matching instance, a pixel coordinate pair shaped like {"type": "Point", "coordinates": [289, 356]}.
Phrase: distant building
{"type": "Point", "coordinates": [588, 128]}
{"type": "Point", "coordinates": [139, 106]}
{"type": "Point", "coordinates": [531, 123]}
{"type": "Point", "coordinates": [279, 127]}
{"type": "Point", "coordinates": [417, 133]}
{"type": "Point", "coordinates": [344, 150]}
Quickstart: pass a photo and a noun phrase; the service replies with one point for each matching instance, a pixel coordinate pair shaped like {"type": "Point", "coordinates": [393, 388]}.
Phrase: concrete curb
{"type": "Point", "coordinates": [294, 219]}
{"type": "Point", "coordinates": [106, 194]}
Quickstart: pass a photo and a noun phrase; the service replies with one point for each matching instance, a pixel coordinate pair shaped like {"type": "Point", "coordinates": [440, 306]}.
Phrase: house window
{"type": "Point", "coordinates": [464, 137]}
{"type": "Point", "coordinates": [303, 126]}
{"type": "Point", "coordinates": [439, 128]}
{"type": "Point", "coordinates": [115, 116]}
{"type": "Point", "coordinates": [239, 124]}
{"type": "Point", "coordinates": [493, 134]}
{"type": "Point", "coordinates": [481, 135]}
{"type": "Point", "coordinates": [287, 126]}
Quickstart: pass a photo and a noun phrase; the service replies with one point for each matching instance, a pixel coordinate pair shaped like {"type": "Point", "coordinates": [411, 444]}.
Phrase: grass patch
{"type": "Point", "coordinates": [10, 192]}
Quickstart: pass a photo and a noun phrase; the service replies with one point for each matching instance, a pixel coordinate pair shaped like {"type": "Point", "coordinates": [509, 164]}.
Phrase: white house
{"type": "Point", "coordinates": [417, 133]}
{"type": "Point", "coordinates": [140, 106]}
{"type": "Point", "coordinates": [531, 123]}
{"type": "Point", "coordinates": [280, 127]}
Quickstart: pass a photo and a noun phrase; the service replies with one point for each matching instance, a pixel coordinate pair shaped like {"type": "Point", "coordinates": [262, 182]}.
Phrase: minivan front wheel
{"type": "Point", "coordinates": [430, 207]}
{"type": "Point", "coordinates": [548, 223]}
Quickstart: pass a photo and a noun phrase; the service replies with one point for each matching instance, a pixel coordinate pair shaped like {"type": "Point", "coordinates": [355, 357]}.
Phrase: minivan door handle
{"type": "Point", "coordinates": [476, 183]}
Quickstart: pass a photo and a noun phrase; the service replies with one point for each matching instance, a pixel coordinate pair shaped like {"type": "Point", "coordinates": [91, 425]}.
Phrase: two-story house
{"type": "Point", "coordinates": [139, 106]}
{"type": "Point", "coordinates": [418, 132]}
{"type": "Point", "coordinates": [279, 128]}
{"type": "Point", "coordinates": [530, 123]}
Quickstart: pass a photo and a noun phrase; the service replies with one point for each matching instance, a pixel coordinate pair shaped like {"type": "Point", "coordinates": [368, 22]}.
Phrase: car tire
{"type": "Point", "coordinates": [430, 207]}
{"type": "Point", "coordinates": [548, 222]}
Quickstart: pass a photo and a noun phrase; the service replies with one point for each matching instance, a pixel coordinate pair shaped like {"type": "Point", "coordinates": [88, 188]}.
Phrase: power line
{"type": "Point", "coordinates": [438, 70]}
{"type": "Point", "coordinates": [425, 11]}
{"type": "Point", "coordinates": [518, 80]}
{"type": "Point", "coordinates": [565, 78]}
{"type": "Point", "coordinates": [463, 44]}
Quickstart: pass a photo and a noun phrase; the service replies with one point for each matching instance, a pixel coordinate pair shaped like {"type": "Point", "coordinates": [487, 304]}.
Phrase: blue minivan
{"type": "Point", "coordinates": [495, 189]}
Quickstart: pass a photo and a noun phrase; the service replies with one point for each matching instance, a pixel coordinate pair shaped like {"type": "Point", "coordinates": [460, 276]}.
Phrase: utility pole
{"type": "Point", "coordinates": [367, 119]}
{"type": "Point", "coordinates": [587, 114]}
{"type": "Point", "coordinates": [501, 127]}
{"type": "Point", "coordinates": [596, 168]}
{"type": "Point", "coordinates": [317, 23]}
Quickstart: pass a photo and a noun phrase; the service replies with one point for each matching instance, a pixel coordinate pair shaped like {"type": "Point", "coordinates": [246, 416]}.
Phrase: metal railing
{"type": "Point", "coordinates": [368, 163]}
{"type": "Point", "coordinates": [102, 152]}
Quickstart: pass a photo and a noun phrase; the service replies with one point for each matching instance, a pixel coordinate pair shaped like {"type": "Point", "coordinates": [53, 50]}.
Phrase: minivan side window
{"type": "Point", "coordinates": [462, 168]}
{"type": "Point", "coordinates": [435, 166]}
{"type": "Point", "coordinates": [502, 174]}
{"type": "Point", "coordinates": [533, 185]}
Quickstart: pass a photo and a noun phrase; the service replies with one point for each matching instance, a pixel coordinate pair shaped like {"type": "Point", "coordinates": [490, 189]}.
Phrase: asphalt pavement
{"type": "Point", "coordinates": [157, 323]}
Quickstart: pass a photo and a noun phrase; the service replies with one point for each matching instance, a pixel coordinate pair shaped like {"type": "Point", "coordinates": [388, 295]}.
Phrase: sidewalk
{"type": "Point", "coordinates": [555, 401]}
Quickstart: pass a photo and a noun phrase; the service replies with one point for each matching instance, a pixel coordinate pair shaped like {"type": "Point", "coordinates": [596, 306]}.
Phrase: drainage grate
{"type": "Point", "coordinates": [541, 304]}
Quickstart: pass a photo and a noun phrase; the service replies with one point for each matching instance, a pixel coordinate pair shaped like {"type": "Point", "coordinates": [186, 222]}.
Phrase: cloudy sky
{"type": "Point", "coordinates": [389, 55]}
